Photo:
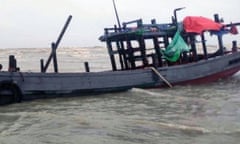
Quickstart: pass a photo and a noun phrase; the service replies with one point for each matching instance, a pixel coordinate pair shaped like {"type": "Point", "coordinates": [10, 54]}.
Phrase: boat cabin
{"type": "Point", "coordinates": [137, 45]}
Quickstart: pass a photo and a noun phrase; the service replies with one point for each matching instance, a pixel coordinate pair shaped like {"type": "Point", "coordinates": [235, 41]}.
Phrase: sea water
{"type": "Point", "coordinates": [203, 114]}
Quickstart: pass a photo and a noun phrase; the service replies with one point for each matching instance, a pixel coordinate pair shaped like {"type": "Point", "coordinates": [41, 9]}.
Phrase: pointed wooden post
{"type": "Point", "coordinates": [54, 54]}
{"type": "Point", "coordinates": [42, 65]}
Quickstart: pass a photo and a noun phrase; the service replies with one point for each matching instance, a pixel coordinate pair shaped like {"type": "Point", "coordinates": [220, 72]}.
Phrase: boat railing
{"type": "Point", "coordinates": [137, 27]}
{"type": "Point", "coordinates": [138, 22]}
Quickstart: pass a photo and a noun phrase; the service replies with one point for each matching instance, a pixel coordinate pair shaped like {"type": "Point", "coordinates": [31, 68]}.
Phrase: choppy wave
{"type": "Point", "coordinates": [181, 115]}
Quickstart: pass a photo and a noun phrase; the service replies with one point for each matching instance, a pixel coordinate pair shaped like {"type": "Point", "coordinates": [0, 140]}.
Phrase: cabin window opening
{"type": "Point", "coordinates": [118, 63]}
{"type": "Point", "coordinates": [118, 55]}
{"type": "Point", "coordinates": [137, 53]}
{"type": "Point", "coordinates": [134, 43]}
{"type": "Point", "coordinates": [160, 42]}
{"type": "Point", "coordinates": [131, 47]}
{"type": "Point", "coordinates": [149, 44]}
{"type": "Point", "coordinates": [212, 45]}
{"type": "Point", "coordinates": [152, 48]}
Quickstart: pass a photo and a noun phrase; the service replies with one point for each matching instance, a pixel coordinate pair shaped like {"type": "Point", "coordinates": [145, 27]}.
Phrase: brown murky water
{"type": "Point", "coordinates": [182, 115]}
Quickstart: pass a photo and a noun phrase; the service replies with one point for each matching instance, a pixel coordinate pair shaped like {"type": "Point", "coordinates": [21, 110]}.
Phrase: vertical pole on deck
{"type": "Point", "coordinates": [54, 54]}
{"type": "Point", "coordinates": [175, 15]}
{"type": "Point", "coordinates": [123, 49]}
{"type": "Point", "coordinates": [55, 46]}
{"type": "Point", "coordinates": [120, 51]}
{"type": "Point", "coordinates": [42, 65]}
{"type": "Point", "coordinates": [234, 46]}
{"type": "Point", "coordinates": [220, 40]}
{"type": "Point", "coordinates": [86, 65]}
{"type": "Point", "coordinates": [110, 51]}
{"type": "Point", "coordinates": [142, 47]}
{"type": "Point", "coordinates": [193, 46]}
{"type": "Point", "coordinates": [130, 52]}
{"type": "Point", "coordinates": [204, 46]}
{"type": "Point", "coordinates": [12, 64]}
{"type": "Point", "coordinates": [157, 50]}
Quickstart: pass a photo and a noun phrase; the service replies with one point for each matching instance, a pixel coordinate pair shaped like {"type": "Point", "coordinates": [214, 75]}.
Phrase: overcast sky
{"type": "Point", "coordinates": [37, 23]}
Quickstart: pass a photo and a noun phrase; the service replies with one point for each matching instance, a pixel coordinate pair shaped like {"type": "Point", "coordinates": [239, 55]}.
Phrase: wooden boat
{"type": "Point", "coordinates": [134, 64]}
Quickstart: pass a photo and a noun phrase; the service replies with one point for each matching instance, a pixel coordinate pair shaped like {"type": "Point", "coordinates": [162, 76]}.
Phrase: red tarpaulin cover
{"type": "Point", "coordinates": [197, 24]}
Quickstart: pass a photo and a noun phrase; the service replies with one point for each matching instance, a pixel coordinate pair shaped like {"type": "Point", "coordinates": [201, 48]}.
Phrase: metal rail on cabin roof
{"type": "Point", "coordinates": [175, 13]}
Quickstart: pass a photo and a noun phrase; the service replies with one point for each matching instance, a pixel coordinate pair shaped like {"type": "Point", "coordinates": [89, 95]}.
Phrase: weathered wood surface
{"type": "Point", "coordinates": [58, 84]}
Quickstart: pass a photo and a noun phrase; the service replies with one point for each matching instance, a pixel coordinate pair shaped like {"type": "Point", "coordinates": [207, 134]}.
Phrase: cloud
{"type": "Point", "coordinates": [39, 21]}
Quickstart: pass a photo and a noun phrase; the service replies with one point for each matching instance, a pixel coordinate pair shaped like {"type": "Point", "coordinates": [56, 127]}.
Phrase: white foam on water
{"type": "Point", "coordinates": [171, 126]}
{"type": "Point", "coordinates": [145, 91]}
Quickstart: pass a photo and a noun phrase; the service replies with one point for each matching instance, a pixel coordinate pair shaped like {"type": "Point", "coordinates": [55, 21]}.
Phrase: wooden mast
{"type": "Point", "coordinates": [116, 13]}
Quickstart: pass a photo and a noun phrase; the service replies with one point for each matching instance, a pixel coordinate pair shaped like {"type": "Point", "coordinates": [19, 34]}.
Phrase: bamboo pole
{"type": "Point", "coordinates": [161, 77]}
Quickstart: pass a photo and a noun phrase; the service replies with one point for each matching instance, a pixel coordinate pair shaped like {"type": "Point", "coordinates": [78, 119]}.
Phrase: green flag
{"type": "Point", "coordinates": [175, 48]}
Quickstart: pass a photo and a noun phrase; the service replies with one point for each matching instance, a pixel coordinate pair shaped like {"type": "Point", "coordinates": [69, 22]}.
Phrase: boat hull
{"type": "Point", "coordinates": [30, 86]}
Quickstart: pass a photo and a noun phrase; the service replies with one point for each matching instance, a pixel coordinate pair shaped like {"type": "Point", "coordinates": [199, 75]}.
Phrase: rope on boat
{"type": "Point", "coordinates": [161, 77]}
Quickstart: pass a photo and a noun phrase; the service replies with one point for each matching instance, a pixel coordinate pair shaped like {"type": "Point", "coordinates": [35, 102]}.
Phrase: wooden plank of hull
{"type": "Point", "coordinates": [66, 83]}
